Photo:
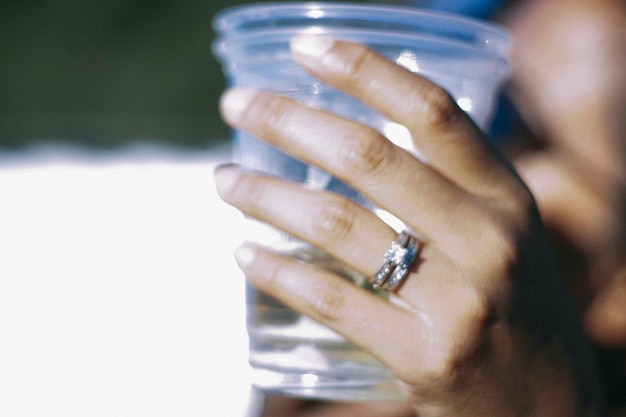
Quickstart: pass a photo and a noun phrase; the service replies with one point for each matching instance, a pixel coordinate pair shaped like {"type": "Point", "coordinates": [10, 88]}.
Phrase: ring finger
{"type": "Point", "coordinates": [326, 220]}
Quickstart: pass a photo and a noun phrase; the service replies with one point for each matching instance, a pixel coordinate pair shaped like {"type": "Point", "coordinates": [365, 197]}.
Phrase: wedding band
{"type": "Point", "coordinates": [397, 262]}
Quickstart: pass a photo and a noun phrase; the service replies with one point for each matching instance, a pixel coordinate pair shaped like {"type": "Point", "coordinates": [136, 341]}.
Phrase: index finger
{"type": "Point", "coordinates": [441, 130]}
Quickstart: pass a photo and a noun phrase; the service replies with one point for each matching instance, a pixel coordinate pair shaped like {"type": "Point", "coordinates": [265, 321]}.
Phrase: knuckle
{"type": "Point", "coordinates": [440, 370]}
{"type": "Point", "coordinates": [357, 62]}
{"type": "Point", "coordinates": [474, 225]}
{"type": "Point", "coordinates": [475, 319]}
{"type": "Point", "coordinates": [509, 254]}
{"type": "Point", "coordinates": [327, 302]}
{"type": "Point", "coordinates": [274, 111]}
{"type": "Point", "coordinates": [439, 108]}
{"type": "Point", "coordinates": [336, 221]}
{"type": "Point", "coordinates": [248, 191]}
{"type": "Point", "coordinates": [367, 153]}
{"type": "Point", "coordinates": [272, 269]}
{"type": "Point", "coordinates": [524, 206]}
{"type": "Point", "coordinates": [518, 200]}
{"type": "Point", "coordinates": [503, 240]}
{"type": "Point", "coordinates": [451, 363]}
{"type": "Point", "coordinates": [499, 236]}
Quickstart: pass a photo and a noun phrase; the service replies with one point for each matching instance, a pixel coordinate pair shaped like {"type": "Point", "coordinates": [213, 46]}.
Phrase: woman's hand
{"type": "Point", "coordinates": [481, 326]}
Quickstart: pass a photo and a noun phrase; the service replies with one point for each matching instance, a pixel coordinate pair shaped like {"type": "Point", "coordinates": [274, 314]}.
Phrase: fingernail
{"type": "Point", "coordinates": [313, 46]}
{"type": "Point", "coordinates": [244, 255]}
{"type": "Point", "coordinates": [225, 178]}
{"type": "Point", "coordinates": [235, 102]}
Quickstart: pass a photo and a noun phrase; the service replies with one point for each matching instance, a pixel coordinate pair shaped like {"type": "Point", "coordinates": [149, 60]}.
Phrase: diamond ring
{"type": "Point", "coordinates": [397, 262]}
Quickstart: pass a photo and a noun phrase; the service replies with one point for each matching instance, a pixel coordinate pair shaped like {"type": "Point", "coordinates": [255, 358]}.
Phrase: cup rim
{"type": "Point", "coordinates": [232, 22]}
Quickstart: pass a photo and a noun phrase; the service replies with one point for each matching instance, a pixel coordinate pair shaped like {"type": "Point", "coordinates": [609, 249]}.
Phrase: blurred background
{"type": "Point", "coordinates": [119, 295]}
{"type": "Point", "coordinates": [101, 73]}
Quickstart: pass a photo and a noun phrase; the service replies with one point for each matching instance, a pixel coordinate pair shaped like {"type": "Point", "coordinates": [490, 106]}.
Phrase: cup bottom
{"type": "Point", "coordinates": [308, 360]}
{"type": "Point", "coordinates": [326, 387]}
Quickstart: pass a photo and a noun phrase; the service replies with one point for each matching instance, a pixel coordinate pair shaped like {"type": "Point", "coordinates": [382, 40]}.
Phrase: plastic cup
{"type": "Point", "coordinates": [289, 353]}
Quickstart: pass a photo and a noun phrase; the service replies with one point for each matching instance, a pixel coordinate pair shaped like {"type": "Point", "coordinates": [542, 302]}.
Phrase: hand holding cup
{"type": "Point", "coordinates": [480, 325]}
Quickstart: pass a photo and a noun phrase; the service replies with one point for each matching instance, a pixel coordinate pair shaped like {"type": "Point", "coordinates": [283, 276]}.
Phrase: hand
{"type": "Point", "coordinates": [569, 82]}
{"type": "Point", "coordinates": [481, 326]}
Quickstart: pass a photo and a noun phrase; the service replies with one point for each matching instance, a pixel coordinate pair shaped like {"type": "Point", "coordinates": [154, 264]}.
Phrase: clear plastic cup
{"type": "Point", "coordinates": [290, 353]}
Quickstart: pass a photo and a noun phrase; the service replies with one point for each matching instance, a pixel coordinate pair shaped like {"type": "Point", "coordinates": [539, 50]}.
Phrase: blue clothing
{"type": "Point", "coordinates": [475, 8]}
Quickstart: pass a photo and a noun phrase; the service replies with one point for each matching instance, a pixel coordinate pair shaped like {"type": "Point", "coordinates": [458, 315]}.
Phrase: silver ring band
{"type": "Point", "coordinates": [397, 262]}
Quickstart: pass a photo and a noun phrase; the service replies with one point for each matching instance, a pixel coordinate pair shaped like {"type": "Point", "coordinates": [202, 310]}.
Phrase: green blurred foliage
{"type": "Point", "coordinates": [103, 73]}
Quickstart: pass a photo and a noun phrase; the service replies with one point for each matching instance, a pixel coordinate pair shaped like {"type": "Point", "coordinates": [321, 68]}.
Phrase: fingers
{"type": "Point", "coordinates": [387, 175]}
{"type": "Point", "coordinates": [442, 131]}
{"type": "Point", "coordinates": [443, 311]}
{"type": "Point", "coordinates": [350, 232]}
{"type": "Point", "coordinates": [418, 344]}
{"type": "Point", "coordinates": [421, 345]}
{"type": "Point", "coordinates": [362, 317]}
{"type": "Point", "coordinates": [367, 320]}
{"type": "Point", "coordinates": [461, 168]}
{"type": "Point", "coordinates": [345, 230]}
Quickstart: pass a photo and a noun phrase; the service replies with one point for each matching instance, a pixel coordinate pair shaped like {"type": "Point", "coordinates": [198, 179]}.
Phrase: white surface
{"type": "Point", "coordinates": [119, 295]}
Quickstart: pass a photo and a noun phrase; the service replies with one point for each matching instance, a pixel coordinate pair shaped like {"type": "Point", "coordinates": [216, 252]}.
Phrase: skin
{"type": "Point", "coordinates": [570, 87]}
{"type": "Point", "coordinates": [482, 325]}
